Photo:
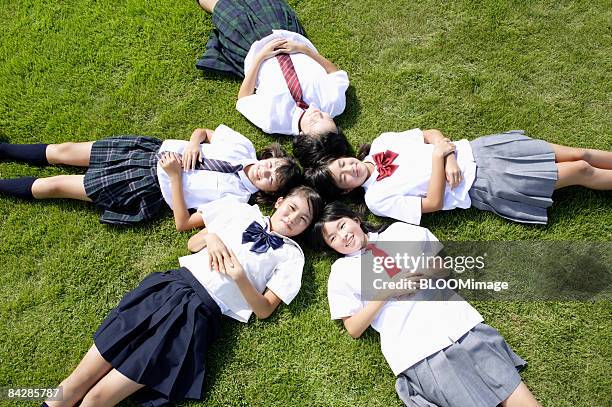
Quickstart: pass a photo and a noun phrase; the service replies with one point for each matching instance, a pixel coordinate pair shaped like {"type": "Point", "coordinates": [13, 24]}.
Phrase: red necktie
{"type": "Point", "coordinates": [293, 83]}
{"type": "Point", "coordinates": [383, 164]}
{"type": "Point", "coordinates": [378, 252]}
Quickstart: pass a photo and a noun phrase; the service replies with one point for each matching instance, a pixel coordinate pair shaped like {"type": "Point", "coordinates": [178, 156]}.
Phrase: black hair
{"type": "Point", "coordinates": [321, 178]}
{"type": "Point", "coordinates": [289, 174]}
{"type": "Point", "coordinates": [334, 211]}
{"type": "Point", "coordinates": [311, 150]}
{"type": "Point", "coordinates": [312, 197]}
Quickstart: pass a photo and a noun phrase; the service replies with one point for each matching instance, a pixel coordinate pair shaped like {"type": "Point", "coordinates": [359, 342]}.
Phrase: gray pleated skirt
{"type": "Point", "coordinates": [478, 370]}
{"type": "Point", "coordinates": [515, 176]}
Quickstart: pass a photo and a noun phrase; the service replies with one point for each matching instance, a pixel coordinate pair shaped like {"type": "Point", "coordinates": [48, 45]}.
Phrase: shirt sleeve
{"type": "Point", "coordinates": [343, 301]}
{"type": "Point", "coordinates": [226, 136]}
{"type": "Point", "coordinates": [404, 208]}
{"type": "Point", "coordinates": [334, 89]}
{"type": "Point", "coordinates": [286, 279]}
{"type": "Point", "coordinates": [221, 210]}
{"type": "Point", "coordinates": [257, 109]}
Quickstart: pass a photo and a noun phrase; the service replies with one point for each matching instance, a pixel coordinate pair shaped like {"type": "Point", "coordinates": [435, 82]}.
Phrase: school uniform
{"type": "Point", "coordinates": [242, 29]}
{"type": "Point", "coordinates": [125, 180]}
{"type": "Point", "coordinates": [440, 351]}
{"type": "Point", "coordinates": [509, 174]}
{"type": "Point", "coordinates": [160, 332]}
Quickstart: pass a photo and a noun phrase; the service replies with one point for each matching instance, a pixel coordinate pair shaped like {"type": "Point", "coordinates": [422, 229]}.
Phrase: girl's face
{"type": "Point", "coordinates": [292, 215]}
{"type": "Point", "coordinates": [316, 123]}
{"type": "Point", "coordinates": [348, 173]}
{"type": "Point", "coordinates": [263, 174]}
{"type": "Point", "coordinates": [344, 235]}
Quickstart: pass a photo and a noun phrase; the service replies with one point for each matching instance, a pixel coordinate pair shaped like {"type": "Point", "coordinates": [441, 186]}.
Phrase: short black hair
{"type": "Point", "coordinates": [289, 173]}
{"type": "Point", "coordinates": [311, 150]}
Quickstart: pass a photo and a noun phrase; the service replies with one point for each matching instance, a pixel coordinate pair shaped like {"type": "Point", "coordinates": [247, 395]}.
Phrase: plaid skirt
{"type": "Point", "coordinates": [122, 179]}
{"type": "Point", "coordinates": [238, 24]}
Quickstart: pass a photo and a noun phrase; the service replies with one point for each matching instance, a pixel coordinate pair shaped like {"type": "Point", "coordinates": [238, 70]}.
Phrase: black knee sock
{"type": "Point", "coordinates": [19, 187]}
{"type": "Point", "coordinates": [35, 154]}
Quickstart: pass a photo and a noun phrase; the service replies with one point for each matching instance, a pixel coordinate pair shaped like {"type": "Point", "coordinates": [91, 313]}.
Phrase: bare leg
{"type": "Point", "coordinates": [584, 174]}
{"type": "Point", "coordinates": [110, 390]}
{"type": "Point", "coordinates": [76, 154]}
{"type": "Point", "coordinates": [207, 5]}
{"type": "Point", "coordinates": [61, 186]}
{"type": "Point", "coordinates": [521, 397]}
{"type": "Point", "coordinates": [91, 368]}
{"type": "Point", "coordinates": [597, 158]}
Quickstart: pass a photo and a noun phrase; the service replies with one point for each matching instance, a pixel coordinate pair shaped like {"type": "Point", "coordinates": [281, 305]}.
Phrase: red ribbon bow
{"type": "Point", "coordinates": [384, 164]}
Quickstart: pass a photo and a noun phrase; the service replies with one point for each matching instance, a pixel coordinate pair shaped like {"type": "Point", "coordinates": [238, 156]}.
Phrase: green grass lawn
{"type": "Point", "coordinates": [83, 70]}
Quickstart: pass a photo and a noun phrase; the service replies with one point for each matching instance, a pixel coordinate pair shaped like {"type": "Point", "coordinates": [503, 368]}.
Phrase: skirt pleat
{"type": "Point", "coordinates": [515, 176]}
{"type": "Point", "coordinates": [122, 179]}
{"type": "Point", "coordinates": [238, 24]}
{"type": "Point", "coordinates": [479, 369]}
{"type": "Point", "coordinates": [159, 335]}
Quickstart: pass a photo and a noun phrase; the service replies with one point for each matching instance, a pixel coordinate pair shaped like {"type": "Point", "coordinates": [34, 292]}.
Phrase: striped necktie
{"type": "Point", "coordinates": [211, 164]}
{"type": "Point", "coordinates": [293, 83]}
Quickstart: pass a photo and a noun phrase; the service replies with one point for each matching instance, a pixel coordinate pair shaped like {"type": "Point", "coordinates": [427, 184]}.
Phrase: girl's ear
{"type": "Point", "coordinates": [278, 202]}
{"type": "Point", "coordinates": [357, 220]}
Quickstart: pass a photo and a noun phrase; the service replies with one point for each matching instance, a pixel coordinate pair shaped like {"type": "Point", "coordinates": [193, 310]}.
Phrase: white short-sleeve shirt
{"type": "Point", "coordinates": [398, 196]}
{"type": "Point", "coordinates": [202, 186]}
{"type": "Point", "coordinates": [279, 270]}
{"type": "Point", "coordinates": [409, 330]}
{"type": "Point", "coordinates": [271, 107]}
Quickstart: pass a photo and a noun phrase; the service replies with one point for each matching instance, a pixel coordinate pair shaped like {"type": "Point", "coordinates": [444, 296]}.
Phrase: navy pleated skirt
{"type": "Point", "coordinates": [238, 24]}
{"type": "Point", "coordinates": [159, 335]}
{"type": "Point", "coordinates": [122, 179]}
{"type": "Point", "coordinates": [515, 176]}
{"type": "Point", "coordinates": [479, 369]}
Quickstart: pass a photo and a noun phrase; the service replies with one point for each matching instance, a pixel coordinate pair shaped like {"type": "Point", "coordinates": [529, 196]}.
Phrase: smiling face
{"type": "Point", "coordinates": [348, 173]}
{"type": "Point", "coordinates": [315, 123]}
{"type": "Point", "coordinates": [264, 175]}
{"type": "Point", "coordinates": [292, 215]}
{"type": "Point", "coordinates": [344, 235]}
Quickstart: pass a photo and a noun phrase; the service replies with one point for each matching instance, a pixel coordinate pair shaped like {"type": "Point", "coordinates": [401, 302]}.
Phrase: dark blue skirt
{"type": "Point", "coordinates": [159, 335]}
{"type": "Point", "coordinates": [122, 179]}
{"type": "Point", "coordinates": [238, 24]}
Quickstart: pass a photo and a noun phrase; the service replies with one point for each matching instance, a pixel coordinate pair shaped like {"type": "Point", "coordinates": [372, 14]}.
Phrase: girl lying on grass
{"type": "Point", "coordinates": [130, 177]}
{"type": "Point", "coordinates": [410, 173]}
{"type": "Point", "coordinates": [441, 351]}
{"type": "Point", "coordinates": [287, 86]}
{"type": "Point", "coordinates": [154, 343]}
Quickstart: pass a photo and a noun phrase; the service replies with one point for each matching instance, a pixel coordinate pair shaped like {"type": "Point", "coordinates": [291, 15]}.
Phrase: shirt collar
{"type": "Point", "coordinates": [373, 175]}
{"type": "Point", "coordinates": [244, 179]}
